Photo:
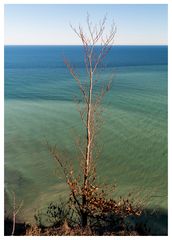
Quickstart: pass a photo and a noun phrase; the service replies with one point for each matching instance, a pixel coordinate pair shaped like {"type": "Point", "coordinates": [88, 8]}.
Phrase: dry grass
{"type": "Point", "coordinates": [77, 231]}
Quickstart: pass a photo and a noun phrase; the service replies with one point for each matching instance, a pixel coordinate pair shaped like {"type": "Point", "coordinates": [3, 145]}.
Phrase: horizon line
{"type": "Point", "coordinates": [82, 45]}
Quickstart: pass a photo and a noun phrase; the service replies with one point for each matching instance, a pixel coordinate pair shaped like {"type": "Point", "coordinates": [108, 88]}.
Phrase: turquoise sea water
{"type": "Point", "coordinates": [39, 105]}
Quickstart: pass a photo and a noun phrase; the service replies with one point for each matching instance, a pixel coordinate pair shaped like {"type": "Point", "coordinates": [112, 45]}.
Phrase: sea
{"type": "Point", "coordinates": [40, 107]}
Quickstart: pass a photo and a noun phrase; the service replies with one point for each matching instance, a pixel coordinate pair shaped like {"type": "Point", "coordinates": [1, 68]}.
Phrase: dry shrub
{"type": "Point", "coordinates": [33, 230]}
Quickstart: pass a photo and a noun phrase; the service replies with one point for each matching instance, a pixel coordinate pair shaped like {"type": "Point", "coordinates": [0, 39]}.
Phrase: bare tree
{"type": "Point", "coordinates": [93, 56]}
{"type": "Point", "coordinates": [15, 212]}
{"type": "Point", "coordinates": [92, 60]}
{"type": "Point", "coordinates": [86, 195]}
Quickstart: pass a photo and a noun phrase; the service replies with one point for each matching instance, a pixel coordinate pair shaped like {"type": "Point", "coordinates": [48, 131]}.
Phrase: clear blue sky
{"type": "Point", "coordinates": [143, 24]}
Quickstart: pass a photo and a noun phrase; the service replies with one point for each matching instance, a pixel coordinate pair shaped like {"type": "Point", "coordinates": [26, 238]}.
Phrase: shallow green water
{"type": "Point", "coordinates": [133, 140]}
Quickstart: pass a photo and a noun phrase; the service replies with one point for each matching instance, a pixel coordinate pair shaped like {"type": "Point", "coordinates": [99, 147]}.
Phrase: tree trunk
{"type": "Point", "coordinates": [88, 126]}
{"type": "Point", "coordinates": [14, 223]}
{"type": "Point", "coordinates": [84, 216]}
{"type": "Point", "coordinates": [84, 219]}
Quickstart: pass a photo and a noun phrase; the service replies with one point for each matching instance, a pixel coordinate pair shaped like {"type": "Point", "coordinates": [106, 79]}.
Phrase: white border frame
{"type": "Point", "coordinates": [2, 3]}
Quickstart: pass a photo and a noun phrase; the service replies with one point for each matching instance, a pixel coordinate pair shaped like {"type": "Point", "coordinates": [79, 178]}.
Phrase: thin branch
{"type": "Point", "coordinates": [76, 79]}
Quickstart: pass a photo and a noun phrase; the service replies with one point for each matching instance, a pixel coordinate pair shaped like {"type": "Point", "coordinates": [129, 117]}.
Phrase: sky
{"type": "Point", "coordinates": [49, 24]}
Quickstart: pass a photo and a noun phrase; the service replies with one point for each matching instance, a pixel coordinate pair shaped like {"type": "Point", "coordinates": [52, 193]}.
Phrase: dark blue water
{"type": "Point", "coordinates": [26, 67]}
{"type": "Point", "coordinates": [52, 56]}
